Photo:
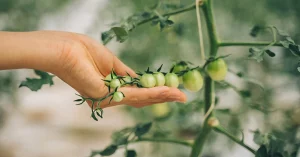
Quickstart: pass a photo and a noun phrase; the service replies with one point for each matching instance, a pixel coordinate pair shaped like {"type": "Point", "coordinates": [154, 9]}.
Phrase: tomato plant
{"type": "Point", "coordinates": [205, 78]}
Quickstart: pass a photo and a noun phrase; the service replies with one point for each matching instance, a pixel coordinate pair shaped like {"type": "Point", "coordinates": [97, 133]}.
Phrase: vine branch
{"type": "Point", "coordinates": [174, 141]}
{"type": "Point", "coordinates": [221, 130]}
{"type": "Point", "coordinates": [237, 43]}
{"type": "Point", "coordinates": [185, 9]}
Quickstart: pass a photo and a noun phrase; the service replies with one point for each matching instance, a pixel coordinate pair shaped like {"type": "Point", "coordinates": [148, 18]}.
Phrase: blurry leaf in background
{"type": "Point", "coordinates": [142, 128]}
{"type": "Point", "coordinates": [35, 84]}
{"type": "Point", "coordinates": [131, 153]}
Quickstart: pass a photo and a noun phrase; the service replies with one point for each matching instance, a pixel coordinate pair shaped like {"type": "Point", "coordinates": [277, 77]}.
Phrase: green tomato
{"type": "Point", "coordinates": [172, 80]}
{"type": "Point", "coordinates": [217, 70]}
{"type": "Point", "coordinates": [108, 78]}
{"type": "Point", "coordinates": [193, 81]}
{"type": "Point", "coordinates": [114, 83]}
{"type": "Point", "coordinates": [126, 79]}
{"type": "Point", "coordinates": [118, 96]}
{"type": "Point", "coordinates": [160, 110]}
{"type": "Point", "coordinates": [147, 80]}
{"type": "Point", "coordinates": [159, 78]}
{"type": "Point", "coordinates": [178, 68]}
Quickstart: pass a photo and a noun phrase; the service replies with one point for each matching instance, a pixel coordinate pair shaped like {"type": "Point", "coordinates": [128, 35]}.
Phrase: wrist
{"type": "Point", "coordinates": [30, 50]}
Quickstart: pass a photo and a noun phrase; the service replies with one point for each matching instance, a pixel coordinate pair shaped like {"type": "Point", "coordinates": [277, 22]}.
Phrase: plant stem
{"type": "Point", "coordinates": [209, 93]}
{"type": "Point", "coordinates": [235, 139]}
{"type": "Point", "coordinates": [233, 43]}
{"type": "Point", "coordinates": [174, 141]}
{"type": "Point", "coordinates": [202, 136]}
{"type": "Point", "coordinates": [185, 9]}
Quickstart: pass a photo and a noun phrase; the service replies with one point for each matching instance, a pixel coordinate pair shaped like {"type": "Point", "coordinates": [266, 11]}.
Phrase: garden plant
{"type": "Point", "coordinates": [203, 77]}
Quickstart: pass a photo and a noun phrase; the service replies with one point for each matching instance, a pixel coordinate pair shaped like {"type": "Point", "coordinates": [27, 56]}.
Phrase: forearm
{"type": "Point", "coordinates": [26, 50]}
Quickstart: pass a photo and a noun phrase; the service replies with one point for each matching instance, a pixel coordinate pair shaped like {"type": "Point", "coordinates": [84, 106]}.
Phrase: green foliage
{"type": "Point", "coordinates": [142, 129]}
{"type": "Point", "coordinates": [35, 84]}
{"type": "Point", "coordinates": [262, 152]}
{"type": "Point", "coordinates": [287, 42]}
{"type": "Point", "coordinates": [271, 146]}
{"type": "Point", "coordinates": [108, 151]}
{"type": "Point", "coordinates": [124, 137]}
{"type": "Point", "coordinates": [131, 153]}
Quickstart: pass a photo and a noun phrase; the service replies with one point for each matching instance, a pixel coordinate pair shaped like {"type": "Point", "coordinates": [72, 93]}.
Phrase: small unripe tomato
{"type": "Point", "coordinates": [193, 81]}
{"type": "Point", "coordinates": [147, 80]}
{"type": "Point", "coordinates": [108, 78]}
{"type": "Point", "coordinates": [217, 70]}
{"type": "Point", "coordinates": [172, 80]}
{"type": "Point", "coordinates": [178, 68]}
{"type": "Point", "coordinates": [126, 79]}
{"type": "Point", "coordinates": [118, 96]}
{"type": "Point", "coordinates": [160, 110]}
{"type": "Point", "coordinates": [114, 83]}
{"type": "Point", "coordinates": [159, 78]}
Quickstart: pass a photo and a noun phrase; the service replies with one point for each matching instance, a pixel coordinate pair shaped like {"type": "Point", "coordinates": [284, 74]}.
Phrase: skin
{"type": "Point", "coordinates": [79, 61]}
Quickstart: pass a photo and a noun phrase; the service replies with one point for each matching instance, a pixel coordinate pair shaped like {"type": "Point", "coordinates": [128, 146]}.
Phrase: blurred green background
{"type": "Point", "coordinates": [42, 124]}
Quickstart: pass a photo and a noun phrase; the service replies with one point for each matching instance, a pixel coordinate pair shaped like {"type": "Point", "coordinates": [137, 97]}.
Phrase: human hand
{"type": "Point", "coordinates": [82, 63]}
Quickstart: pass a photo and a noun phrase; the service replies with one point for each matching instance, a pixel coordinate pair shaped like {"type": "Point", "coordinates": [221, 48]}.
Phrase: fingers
{"type": "Point", "coordinates": [140, 97]}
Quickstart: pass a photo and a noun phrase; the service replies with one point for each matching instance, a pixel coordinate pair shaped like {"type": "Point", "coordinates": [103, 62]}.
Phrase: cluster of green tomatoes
{"type": "Point", "coordinates": [180, 74]}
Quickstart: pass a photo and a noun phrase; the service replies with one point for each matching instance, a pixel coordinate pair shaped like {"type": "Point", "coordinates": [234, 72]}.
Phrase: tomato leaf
{"type": "Point", "coordinates": [256, 53]}
{"type": "Point", "coordinates": [34, 84]}
{"type": "Point", "coordinates": [121, 33]}
{"type": "Point", "coordinates": [107, 36]}
{"type": "Point", "coordinates": [131, 153]}
{"type": "Point", "coordinates": [255, 30]}
{"type": "Point", "coordinates": [142, 129]}
{"type": "Point", "coordinates": [262, 152]}
{"type": "Point", "coordinates": [270, 53]}
{"type": "Point", "coordinates": [260, 139]}
{"type": "Point", "coordinates": [110, 150]}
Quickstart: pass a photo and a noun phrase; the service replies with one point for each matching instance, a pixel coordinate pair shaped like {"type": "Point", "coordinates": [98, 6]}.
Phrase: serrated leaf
{"type": "Point", "coordinates": [260, 139]}
{"type": "Point", "coordinates": [35, 84]}
{"type": "Point", "coordinates": [256, 54]}
{"type": "Point", "coordinates": [262, 152]}
{"type": "Point", "coordinates": [110, 150]}
{"type": "Point", "coordinates": [131, 153]}
{"type": "Point", "coordinates": [142, 129]}
{"type": "Point", "coordinates": [121, 33]}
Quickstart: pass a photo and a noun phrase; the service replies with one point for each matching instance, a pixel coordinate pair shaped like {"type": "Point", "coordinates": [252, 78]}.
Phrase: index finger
{"type": "Point", "coordinates": [140, 97]}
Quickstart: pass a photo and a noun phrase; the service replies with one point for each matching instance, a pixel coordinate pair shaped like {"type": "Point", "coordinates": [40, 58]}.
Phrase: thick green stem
{"type": "Point", "coordinates": [211, 27]}
{"type": "Point", "coordinates": [235, 139]}
{"type": "Point", "coordinates": [202, 136]}
{"type": "Point", "coordinates": [209, 93]}
{"type": "Point", "coordinates": [174, 141]}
